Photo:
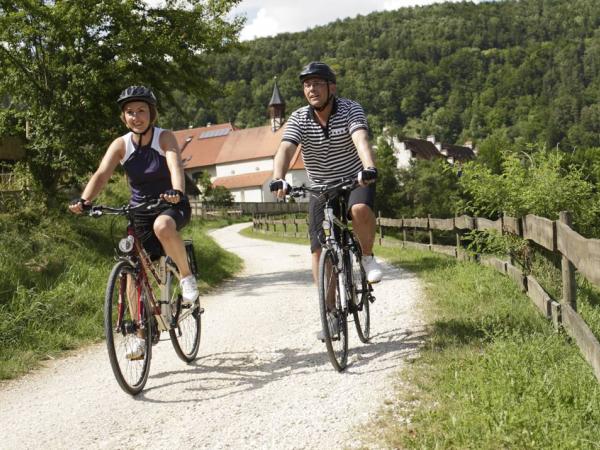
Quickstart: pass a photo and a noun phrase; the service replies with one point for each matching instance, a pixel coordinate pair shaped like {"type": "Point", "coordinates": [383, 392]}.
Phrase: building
{"type": "Point", "coordinates": [240, 159]}
{"type": "Point", "coordinates": [410, 149]}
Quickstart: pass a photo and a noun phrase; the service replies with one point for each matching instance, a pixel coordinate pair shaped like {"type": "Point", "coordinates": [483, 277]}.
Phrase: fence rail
{"type": "Point", "coordinates": [247, 208]}
{"type": "Point", "coordinates": [577, 252]}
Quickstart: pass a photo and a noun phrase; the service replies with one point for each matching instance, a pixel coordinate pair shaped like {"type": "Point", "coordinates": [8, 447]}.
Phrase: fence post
{"type": "Point", "coordinates": [430, 231]}
{"type": "Point", "coordinates": [380, 229]}
{"type": "Point", "coordinates": [458, 245]}
{"type": "Point", "coordinates": [569, 288]}
{"type": "Point", "coordinates": [403, 233]}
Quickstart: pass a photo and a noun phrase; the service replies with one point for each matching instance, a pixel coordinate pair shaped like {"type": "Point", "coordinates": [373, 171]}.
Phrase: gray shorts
{"type": "Point", "coordinates": [360, 195]}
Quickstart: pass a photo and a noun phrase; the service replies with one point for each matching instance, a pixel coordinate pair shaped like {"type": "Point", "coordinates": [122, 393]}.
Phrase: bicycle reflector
{"type": "Point", "coordinates": [126, 244]}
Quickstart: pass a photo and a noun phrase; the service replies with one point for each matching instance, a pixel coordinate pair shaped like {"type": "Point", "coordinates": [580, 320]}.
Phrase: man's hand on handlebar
{"type": "Point", "coordinates": [367, 176]}
{"type": "Point", "coordinates": [79, 205]}
{"type": "Point", "coordinates": [279, 187]}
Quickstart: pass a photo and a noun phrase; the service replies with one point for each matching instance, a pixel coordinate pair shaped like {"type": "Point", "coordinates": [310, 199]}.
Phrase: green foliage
{"type": "Point", "coordinates": [428, 187]}
{"type": "Point", "coordinates": [533, 183]}
{"type": "Point", "coordinates": [213, 195]}
{"type": "Point", "coordinates": [62, 65]}
{"type": "Point", "coordinates": [388, 184]}
{"type": "Point", "coordinates": [528, 69]}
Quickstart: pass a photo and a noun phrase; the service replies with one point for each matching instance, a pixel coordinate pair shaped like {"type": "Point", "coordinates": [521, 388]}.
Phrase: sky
{"type": "Point", "coordinates": [271, 17]}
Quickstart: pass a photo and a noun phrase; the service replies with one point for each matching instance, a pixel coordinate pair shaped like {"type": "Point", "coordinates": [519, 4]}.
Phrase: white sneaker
{"type": "Point", "coordinates": [189, 290]}
{"type": "Point", "coordinates": [138, 349]}
{"type": "Point", "coordinates": [372, 269]}
{"type": "Point", "coordinates": [333, 328]}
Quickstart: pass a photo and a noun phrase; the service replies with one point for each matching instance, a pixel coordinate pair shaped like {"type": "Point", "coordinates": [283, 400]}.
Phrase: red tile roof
{"type": "Point", "coordinates": [250, 143]}
{"type": "Point", "coordinates": [205, 145]}
{"type": "Point", "coordinates": [253, 179]}
{"type": "Point", "coordinates": [223, 143]}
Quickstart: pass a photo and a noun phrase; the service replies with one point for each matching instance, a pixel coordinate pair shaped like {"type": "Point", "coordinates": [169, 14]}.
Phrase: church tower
{"type": "Point", "coordinates": [276, 108]}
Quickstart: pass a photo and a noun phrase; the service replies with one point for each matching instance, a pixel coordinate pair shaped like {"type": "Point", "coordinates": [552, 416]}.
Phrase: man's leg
{"type": "Point", "coordinates": [364, 226]}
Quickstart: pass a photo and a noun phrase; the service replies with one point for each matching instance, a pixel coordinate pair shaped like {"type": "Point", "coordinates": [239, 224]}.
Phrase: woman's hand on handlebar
{"type": "Point", "coordinates": [79, 205]}
{"type": "Point", "coordinates": [172, 196]}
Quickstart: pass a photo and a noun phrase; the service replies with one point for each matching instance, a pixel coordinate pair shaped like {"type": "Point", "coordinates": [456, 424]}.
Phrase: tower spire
{"type": "Point", "coordinates": [276, 108]}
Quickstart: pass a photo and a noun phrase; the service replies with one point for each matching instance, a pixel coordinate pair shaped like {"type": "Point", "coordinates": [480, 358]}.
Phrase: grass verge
{"type": "Point", "coordinates": [493, 373]}
{"type": "Point", "coordinates": [53, 273]}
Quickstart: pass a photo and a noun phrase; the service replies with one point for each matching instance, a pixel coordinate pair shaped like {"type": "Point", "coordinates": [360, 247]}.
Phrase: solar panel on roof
{"type": "Point", "coordinates": [214, 133]}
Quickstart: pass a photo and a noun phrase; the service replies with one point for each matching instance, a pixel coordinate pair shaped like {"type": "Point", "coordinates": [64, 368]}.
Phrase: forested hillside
{"type": "Point", "coordinates": [526, 70]}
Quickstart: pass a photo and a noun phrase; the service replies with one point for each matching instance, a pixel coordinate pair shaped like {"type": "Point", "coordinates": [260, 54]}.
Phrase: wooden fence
{"type": "Point", "coordinates": [284, 227]}
{"type": "Point", "coordinates": [577, 254]}
{"type": "Point", "coordinates": [247, 208]}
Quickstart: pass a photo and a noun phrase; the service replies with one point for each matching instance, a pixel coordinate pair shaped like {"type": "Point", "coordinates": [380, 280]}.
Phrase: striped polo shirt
{"type": "Point", "coordinates": [328, 152]}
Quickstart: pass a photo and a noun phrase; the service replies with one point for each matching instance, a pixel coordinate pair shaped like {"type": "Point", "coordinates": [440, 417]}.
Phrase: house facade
{"type": "Point", "coordinates": [240, 160]}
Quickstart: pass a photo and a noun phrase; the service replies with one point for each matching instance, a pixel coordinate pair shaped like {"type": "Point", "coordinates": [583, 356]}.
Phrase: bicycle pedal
{"type": "Point", "coordinates": [372, 298]}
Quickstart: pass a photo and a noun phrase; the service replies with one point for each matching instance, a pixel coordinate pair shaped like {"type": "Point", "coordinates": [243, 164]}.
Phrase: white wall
{"type": "Point", "coordinates": [241, 167]}
{"type": "Point", "coordinates": [247, 195]}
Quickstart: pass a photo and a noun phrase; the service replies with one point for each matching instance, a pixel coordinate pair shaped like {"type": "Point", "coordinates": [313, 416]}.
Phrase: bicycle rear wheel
{"type": "Point", "coordinates": [360, 298]}
{"type": "Point", "coordinates": [125, 331]}
{"type": "Point", "coordinates": [186, 332]}
{"type": "Point", "coordinates": [334, 323]}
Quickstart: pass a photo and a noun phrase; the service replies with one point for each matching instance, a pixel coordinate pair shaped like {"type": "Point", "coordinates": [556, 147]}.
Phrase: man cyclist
{"type": "Point", "coordinates": [333, 132]}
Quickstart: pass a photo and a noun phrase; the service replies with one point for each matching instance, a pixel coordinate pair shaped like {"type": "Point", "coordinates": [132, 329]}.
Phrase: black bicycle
{"type": "Point", "coordinates": [343, 286]}
{"type": "Point", "coordinates": [142, 300]}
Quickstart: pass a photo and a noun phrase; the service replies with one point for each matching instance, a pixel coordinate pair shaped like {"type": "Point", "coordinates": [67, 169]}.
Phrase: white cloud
{"type": "Point", "coordinates": [271, 17]}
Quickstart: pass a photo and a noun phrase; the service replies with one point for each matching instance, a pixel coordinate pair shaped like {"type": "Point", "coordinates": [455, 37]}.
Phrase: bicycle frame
{"type": "Point", "coordinates": [140, 260]}
{"type": "Point", "coordinates": [339, 246]}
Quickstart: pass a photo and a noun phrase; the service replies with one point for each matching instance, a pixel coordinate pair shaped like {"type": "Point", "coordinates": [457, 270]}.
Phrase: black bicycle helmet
{"type": "Point", "coordinates": [317, 69]}
{"type": "Point", "coordinates": [136, 93]}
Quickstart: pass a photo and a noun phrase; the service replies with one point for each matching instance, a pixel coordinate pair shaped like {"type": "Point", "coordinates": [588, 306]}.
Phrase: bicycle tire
{"type": "Point", "coordinates": [336, 343]}
{"type": "Point", "coordinates": [186, 334]}
{"type": "Point", "coordinates": [120, 337]}
{"type": "Point", "coordinates": [361, 305]}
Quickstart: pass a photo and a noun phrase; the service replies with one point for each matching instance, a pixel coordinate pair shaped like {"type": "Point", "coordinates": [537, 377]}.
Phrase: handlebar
{"type": "Point", "coordinates": [149, 205]}
{"type": "Point", "coordinates": [345, 184]}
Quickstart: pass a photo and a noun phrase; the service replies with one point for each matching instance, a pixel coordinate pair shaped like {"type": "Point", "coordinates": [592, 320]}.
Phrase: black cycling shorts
{"type": "Point", "coordinates": [180, 212]}
{"type": "Point", "coordinates": [360, 195]}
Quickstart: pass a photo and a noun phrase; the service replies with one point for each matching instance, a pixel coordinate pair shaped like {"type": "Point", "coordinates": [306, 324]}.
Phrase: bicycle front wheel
{"type": "Point", "coordinates": [186, 330]}
{"type": "Point", "coordinates": [128, 332]}
{"type": "Point", "coordinates": [360, 298]}
{"type": "Point", "coordinates": [333, 318]}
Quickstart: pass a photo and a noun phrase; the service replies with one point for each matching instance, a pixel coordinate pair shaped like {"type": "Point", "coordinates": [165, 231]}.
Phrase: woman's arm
{"type": "Point", "coordinates": [112, 157]}
{"type": "Point", "coordinates": [169, 145]}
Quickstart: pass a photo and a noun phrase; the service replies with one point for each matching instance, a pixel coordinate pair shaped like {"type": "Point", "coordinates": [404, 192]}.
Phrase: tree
{"type": "Point", "coordinates": [63, 65]}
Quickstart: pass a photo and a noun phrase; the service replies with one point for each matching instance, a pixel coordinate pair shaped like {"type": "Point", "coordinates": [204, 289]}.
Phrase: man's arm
{"type": "Point", "coordinates": [281, 163]}
{"type": "Point", "coordinates": [284, 155]}
{"type": "Point", "coordinates": [365, 152]}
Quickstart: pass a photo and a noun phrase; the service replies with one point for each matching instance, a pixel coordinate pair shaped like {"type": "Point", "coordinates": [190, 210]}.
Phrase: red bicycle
{"type": "Point", "coordinates": [143, 299]}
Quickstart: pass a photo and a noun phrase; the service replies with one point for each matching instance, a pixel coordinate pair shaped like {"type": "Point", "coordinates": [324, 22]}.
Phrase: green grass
{"type": "Point", "coordinates": [53, 273]}
{"type": "Point", "coordinates": [493, 373]}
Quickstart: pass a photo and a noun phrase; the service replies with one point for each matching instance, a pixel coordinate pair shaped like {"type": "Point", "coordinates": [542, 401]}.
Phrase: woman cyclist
{"type": "Point", "coordinates": [151, 159]}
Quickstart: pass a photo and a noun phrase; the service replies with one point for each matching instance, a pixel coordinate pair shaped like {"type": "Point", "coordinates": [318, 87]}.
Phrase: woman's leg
{"type": "Point", "coordinates": [166, 232]}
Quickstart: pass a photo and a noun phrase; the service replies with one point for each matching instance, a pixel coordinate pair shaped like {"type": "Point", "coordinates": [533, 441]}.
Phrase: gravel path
{"type": "Point", "coordinates": [262, 380]}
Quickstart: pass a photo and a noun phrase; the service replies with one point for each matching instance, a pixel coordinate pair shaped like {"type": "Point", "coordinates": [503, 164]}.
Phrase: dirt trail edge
{"type": "Point", "coordinates": [262, 380]}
